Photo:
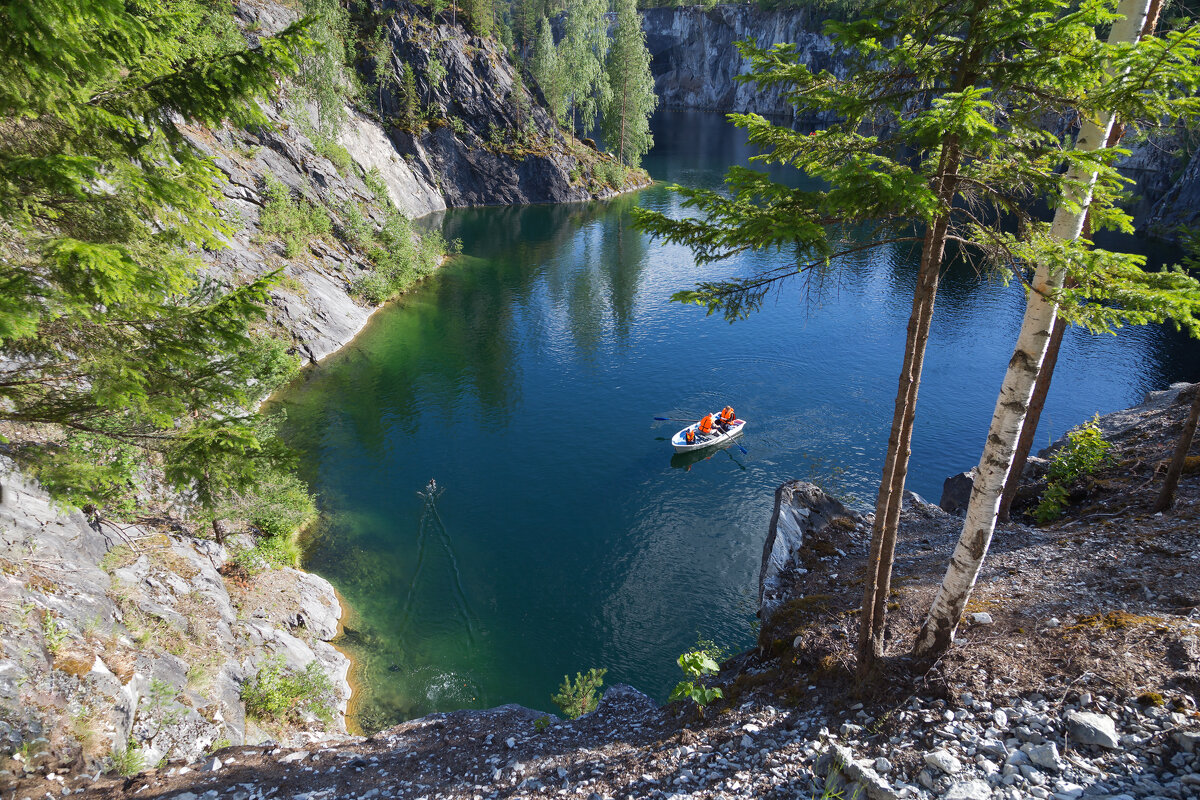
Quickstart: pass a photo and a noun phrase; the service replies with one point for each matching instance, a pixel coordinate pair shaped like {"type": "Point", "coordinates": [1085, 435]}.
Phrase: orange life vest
{"type": "Point", "coordinates": [727, 414]}
{"type": "Point", "coordinates": [706, 424]}
{"type": "Point", "coordinates": [690, 436]}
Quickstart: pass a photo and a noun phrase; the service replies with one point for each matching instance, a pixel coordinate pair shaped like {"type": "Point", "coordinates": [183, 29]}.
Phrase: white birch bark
{"type": "Point", "coordinates": [937, 633]}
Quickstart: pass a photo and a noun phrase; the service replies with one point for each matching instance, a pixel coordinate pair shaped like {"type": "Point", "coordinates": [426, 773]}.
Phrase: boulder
{"type": "Point", "coordinates": [1084, 727]}
{"type": "Point", "coordinates": [956, 492]}
{"type": "Point", "coordinates": [800, 509]}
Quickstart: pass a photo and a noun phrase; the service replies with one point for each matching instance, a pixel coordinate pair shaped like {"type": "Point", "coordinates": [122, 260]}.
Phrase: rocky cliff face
{"type": "Point", "coordinates": [696, 63]}
{"type": "Point", "coordinates": [487, 141]}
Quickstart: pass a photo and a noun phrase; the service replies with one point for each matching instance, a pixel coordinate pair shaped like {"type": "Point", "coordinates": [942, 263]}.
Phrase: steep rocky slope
{"type": "Point", "coordinates": [696, 63]}
{"type": "Point", "coordinates": [116, 634]}
{"type": "Point", "coordinates": [487, 141]}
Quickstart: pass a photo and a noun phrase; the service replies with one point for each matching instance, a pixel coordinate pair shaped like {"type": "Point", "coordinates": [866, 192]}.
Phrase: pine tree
{"type": "Point", "coordinates": [548, 72]}
{"type": "Point", "coordinates": [945, 128]}
{"type": "Point", "coordinates": [106, 328]}
{"type": "Point", "coordinates": [410, 102]}
{"type": "Point", "coordinates": [626, 117]}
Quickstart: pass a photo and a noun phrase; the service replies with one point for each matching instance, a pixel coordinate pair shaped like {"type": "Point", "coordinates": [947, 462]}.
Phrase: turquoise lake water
{"type": "Point", "coordinates": [524, 377]}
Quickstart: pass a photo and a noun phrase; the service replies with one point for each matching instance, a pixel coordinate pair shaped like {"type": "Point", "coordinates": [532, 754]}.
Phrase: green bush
{"type": "Point", "coordinates": [280, 693]}
{"type": "Point", "coordinates": [293, 222]}
{"type": "Point", "coordinates": [128, 760]}
{"type": "Point", "coordinates": [1084, 451]}
{"type": "Point", "coordinates": [610, 173]}
{"type": "Point", "coordinates": [579, 697]}
{"type": "Point", "coordinates": [697, 664]}
{"type": "Point", "coordinates": [90, 469]}
{"type": "Point", "coordinates": [337, 154]}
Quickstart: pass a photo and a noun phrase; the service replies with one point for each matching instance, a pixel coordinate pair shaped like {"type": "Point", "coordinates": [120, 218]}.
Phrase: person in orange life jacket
{"type": "Point", "coordinates": [690, 436]}
{"type": "Point", "coordinates": [725, 418]}
{"type": "Point", "coordinates": [706, 425]}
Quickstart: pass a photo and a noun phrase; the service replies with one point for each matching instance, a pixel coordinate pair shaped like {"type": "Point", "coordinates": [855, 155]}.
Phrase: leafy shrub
{"type": "Point", "coordinates": [337, 154]}
{"type": "Point", "coordinates": [1084, 451]}
{"type": "Point", "coordinates": [356, 228]}
{"type": "Point", "coordinates": [579, 697]}
{"type": "Point", "coordinates": [91, 469]}
{"type": "Point", "coordinates": [436, 70]}
{"type": "Point", "coordinates": [399, 258]}
{"type": "Point", "coordinates": [696, 665]}
{"type": "Point", "coordinates": [610, 173]}
{"type": "Point", "coordinates": [280, 693]}
{"type": "Point", "coordinates": [293, 222]}
{"type": "Point", "coordinates": [458, 126]}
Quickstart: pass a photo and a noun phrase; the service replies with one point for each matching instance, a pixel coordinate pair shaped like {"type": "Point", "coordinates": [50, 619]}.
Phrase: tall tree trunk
{"type": "Point", "coordinates": [895, 467]}
{"type": "Point", "coordinates": [1166, 498]}
{"type": "Point", "coordinates": [937, 633]}
{"type": "Point", "coordinates": [1032, 417]}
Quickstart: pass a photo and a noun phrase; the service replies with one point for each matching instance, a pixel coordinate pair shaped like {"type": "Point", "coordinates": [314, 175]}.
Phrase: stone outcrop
{"type": "Point", "coordinates": [118, 633]}
{"type": "Point", "coordinates": [802, 511]}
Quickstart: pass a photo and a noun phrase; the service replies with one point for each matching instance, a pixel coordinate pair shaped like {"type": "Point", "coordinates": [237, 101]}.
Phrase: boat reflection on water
{"type": "Point", "coordinates": [685, 461]}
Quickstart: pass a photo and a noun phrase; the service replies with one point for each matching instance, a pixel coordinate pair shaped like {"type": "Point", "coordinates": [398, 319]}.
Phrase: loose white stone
{"type": "Point", "coordinates": [944, 761]}
{"type": "Point", "coordinates": [982, 618]}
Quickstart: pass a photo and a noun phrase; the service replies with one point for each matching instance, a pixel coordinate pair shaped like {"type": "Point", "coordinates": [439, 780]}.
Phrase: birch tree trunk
{"type": "Point", "coordinates": [1034, 415]}
{"type": "Point", "coordinates": [1166, 498]}
{"type": "Point", "coordinates": [937, 633]}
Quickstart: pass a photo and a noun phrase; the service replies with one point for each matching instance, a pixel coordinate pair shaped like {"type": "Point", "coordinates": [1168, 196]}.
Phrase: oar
{"type": "Point", "coordinates": [673, 419]}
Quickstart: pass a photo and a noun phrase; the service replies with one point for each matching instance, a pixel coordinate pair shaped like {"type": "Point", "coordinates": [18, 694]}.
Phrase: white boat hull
{"type": "Point", "coordinates": [717, 437]}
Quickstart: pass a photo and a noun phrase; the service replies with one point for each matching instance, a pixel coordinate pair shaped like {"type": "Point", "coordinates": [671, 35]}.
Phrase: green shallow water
{"type": "Point", "coordinates": [524, 376]}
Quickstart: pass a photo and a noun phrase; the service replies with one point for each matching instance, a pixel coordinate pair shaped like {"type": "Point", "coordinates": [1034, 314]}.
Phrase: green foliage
{"type": "Point", "coordinates": [946, 126]}
{"type": "Point", "coordinates": [279, 693]}
{"type": "Point", "coordinates": [1084, 451]}
{"type": "Point", "coordinates": [128, 760]}
{"type": "Point", "coordinates": [55, 634]}
{"type": "Point", "coordinates": [410, 101]}
{"type": "Point", "coordinates": [294, 222]}
{"type": "Point", "coordinates": [625, 117]}
{"type": "Point", "coordinates": [106, 327]}
{"type": "Point", "coordinates": [91, 469]}
{"type": "Point", "coordinates": [697, 665]}
{"type": "Point", "coordinates": [337, 154]}
{"type": "Point", "coordinates": [542, 724]}
{"type": "Point", "coordinates": [610, 173]}
{"type": "Point", "coordinates": [579, 697]}
{"type": "Point", "coordinates": [549, 72]}
{"type": "Point", "coordinates": [435, 70]}
{"type": "Point", "coordinates": [356, 228]}
{"type": "Point", "coordinates": [323, 74]}
{"type": "Point", "coordinates": [581, 57]}
{"type": "Point", "coordinates": [399, 258]}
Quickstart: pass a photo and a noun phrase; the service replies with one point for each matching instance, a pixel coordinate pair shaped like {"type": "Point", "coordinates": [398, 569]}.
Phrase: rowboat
{"type": "Point", "coordinates": [679, 440]}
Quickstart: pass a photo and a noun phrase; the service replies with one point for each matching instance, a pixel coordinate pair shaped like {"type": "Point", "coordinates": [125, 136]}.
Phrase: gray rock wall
{"type": "Point", "coordinates": [696, 63]}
